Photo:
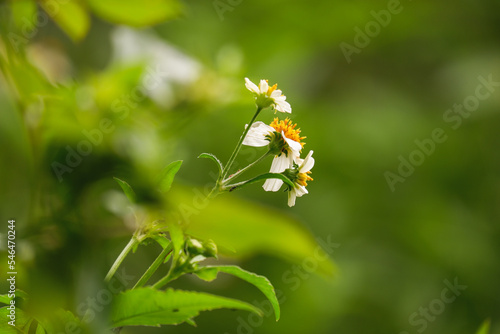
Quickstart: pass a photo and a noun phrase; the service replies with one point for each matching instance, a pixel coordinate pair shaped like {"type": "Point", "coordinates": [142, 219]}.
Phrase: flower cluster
{"type": "Point", "coordinates": [283, 140]}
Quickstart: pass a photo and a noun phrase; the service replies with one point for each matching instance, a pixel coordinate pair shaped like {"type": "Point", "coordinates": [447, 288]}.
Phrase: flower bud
{"type": "Point", "coordinates": [292, 173]}
{"type": "Point", "coordinates": [210, 248]}
{"type": "Point", "coordinates": [194, 247]}
{"type": "Point", "coordinates": [183, 258]}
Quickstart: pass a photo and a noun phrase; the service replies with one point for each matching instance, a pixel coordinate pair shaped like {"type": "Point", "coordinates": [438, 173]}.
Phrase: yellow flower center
{"type": "Point", "coordinates": [288, 129]}
{"type": "Point", "coordinates": [271, 89]}
{"type": "Point", "coordinates": [303, 178]}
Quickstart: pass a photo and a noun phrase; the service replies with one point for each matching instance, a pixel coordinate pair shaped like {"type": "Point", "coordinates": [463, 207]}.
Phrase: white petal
{"type": "Point", "coordinates": [272, 185]}
{"type": "Point", "coordinates": [263, 87]}
{"type": "Point", "coordinates": [281, 105]}
{"type": "Point", "coordinates": [291, 159]}
{"type": "Point", "coordinates": [291, 197]}
{"type": "Point", "coordinates": [294, 146]}
{"type": "Point", "coordinates": [277, 93]}
{"type": "Point", "coordinates": [301, 190]}
{"type": "Point", "coordinates": [307, 164]}
{"type": "Point", "coordinates": [251, 86]}
{"type": "Point", "coordinates": [278, 165]}
{"type": "Point", "coordinates": [256, 136]}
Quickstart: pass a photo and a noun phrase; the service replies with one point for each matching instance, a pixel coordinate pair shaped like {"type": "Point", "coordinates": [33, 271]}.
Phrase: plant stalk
{"type": "Point", "coordinates": [169, 277]}
{"type": "Point", "coordinates": [238, 147]}
{"type": "Point", "coordinates": [238, 173]}
{"type": "Point", "coordinates": [133, 241]}
{"type": "Point", "coordinates": [154, 266]}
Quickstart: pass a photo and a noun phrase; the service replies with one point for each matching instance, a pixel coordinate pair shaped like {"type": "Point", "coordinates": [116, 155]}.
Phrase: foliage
{"type": "Point", "coordinates": [173, 88]}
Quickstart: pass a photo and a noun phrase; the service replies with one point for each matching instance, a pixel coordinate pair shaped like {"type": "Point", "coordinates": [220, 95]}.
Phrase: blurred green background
{"type": "Point", "coordinates": [156, 81]}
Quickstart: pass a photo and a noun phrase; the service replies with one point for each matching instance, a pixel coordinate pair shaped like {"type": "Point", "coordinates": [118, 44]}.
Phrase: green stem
{"type": "Point", "coordinates": [133, 241]}
{"type": "Point", "coordinates": [214, 192]}
{"type": "Point", "coordinates": [238, 173]}
{"type": "Point", "coordinates": [169, 277]}
{"type": "Point", "coordinates": [238, 147]}
{"type": "Point", "coordinates": [261, 177]}
{"type": "Point", "coordinates": [154, 266]}
{"type": "Point", "coordinates": [234, 186]}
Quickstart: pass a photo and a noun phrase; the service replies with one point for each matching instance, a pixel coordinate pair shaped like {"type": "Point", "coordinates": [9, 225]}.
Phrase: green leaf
{"type": "Point", "coordinates": [264, 177]}
{"type": "Point", "coordinates": [61, 321]}
{"type": "Point", "coordinates": [167, 175]}
{"type": "Point", "coordinates": [127, 189]}
{"type": "Point", "coordinates": [209, 273]}
{"type": "Point", "coordinates": [213, 158]}
{"type": "Point", "coordinates": [21, 294]}
{"type": "Point", "coordinates": [485, 327]}
{"type": "Point", "coordinates": [150, 307]}
{"type": "Point", "coordinates": [4, 299]}
{"type": "Point", "coordinates": [24, 13]}
{"type": "Point", "coordinates": [177, 239]}
{"type": "Point", "coordinates": [176, 236]}
{"type": "Point", "coordinates": [161, 240]}
{"type": "Point", "coordinates": [137, 13]}
{"type": "Point", "coordinates": [40, 330]}
{"type": "Point", "coordinates": [71, 16]}
{"type": "Point", "coordinates": [22, 321]}
{"type": "Point", "coordinates": [243, 228]}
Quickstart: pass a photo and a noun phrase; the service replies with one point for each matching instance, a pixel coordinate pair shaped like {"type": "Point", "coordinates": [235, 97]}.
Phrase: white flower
{"type": "Point", "coordinates": [266, 96]}
{"type": "Point", "coordinates": [283, 140]}
{"type": "Point", "coordinates": [282, 162]}
{"type": "Point", "coordinates": [300, 182]}
{"type": "Point", "coordinates": [256, 136]}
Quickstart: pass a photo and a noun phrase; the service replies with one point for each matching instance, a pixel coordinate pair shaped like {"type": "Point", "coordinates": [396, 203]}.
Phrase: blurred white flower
{"type": "Point", "coordinates": [166, 66]}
